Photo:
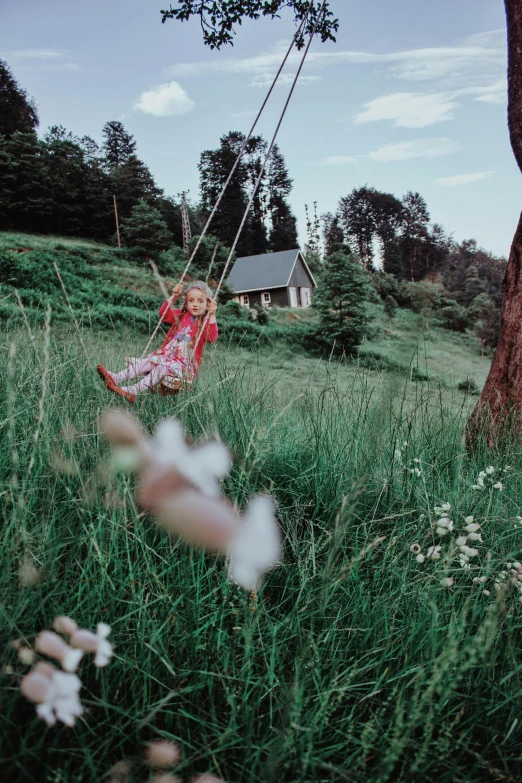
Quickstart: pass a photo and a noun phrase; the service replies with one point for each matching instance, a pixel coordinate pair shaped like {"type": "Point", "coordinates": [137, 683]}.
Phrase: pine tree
{"type": "Point", "coordinates": [214, 168]}
{"type": "Point", "coordinates": [25, 193]}
{"type": "Point", "coordinates": [119, 145]}
{"type": "Point", "coordinates": [283, 234]}
{"type": "Point", "coordinates": [415, 234]}
{"type": "Point", "coordinates": [473, 286]}
{"type": "Point", "coordinates": [67, 175]}
{"type": "Point", "coordinates": [131, 182]}
{"type": "Point", "coordinates": [333, 235]}
{"type": "Point", "coordinates": [18, 113]}
{"type": "Point", "coordinates": [359, 224]}
{"type": "Point", "coordinates": [255, 155]}
{"type": "Point", "coordinates": [341, 302]}
{"type": "Point", "coordinates": [145, 230]}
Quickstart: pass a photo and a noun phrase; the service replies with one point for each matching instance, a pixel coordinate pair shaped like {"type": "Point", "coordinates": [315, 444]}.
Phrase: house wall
{"type": "Point", "coordinates": [299, 278]}
{"type": "Point", "coordinates": [278, 297]}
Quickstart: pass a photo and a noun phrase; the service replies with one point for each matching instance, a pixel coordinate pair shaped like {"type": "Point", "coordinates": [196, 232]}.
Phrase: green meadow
{"type": "Point", "coordinates": [354, 661]}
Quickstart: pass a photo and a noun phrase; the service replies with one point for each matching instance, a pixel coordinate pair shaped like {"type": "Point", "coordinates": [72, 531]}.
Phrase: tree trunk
{"type": "Point", "coordinates": [501, 398]}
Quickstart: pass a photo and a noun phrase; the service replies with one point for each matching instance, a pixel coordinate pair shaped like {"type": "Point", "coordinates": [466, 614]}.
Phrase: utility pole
{"type": "Point", "coordinates": [185, 224]}
{"type": "Point", "coordinates": [117, 224]}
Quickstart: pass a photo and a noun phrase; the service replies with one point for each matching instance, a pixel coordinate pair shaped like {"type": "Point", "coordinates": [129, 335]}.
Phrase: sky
{"type": "Point", "coordinates": [412, 96]}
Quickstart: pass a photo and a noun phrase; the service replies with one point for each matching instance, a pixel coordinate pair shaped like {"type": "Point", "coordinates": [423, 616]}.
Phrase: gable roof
{"type": "Point", "coordinates": [268, 270]}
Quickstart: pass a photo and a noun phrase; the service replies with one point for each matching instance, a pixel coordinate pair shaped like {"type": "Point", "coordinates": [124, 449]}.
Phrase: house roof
{"type": "Point", "coordinates": [269, 270]}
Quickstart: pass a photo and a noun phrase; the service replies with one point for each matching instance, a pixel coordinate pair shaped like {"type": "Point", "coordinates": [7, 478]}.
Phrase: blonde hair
{"type": "Point", "coordinates": [201, 286]}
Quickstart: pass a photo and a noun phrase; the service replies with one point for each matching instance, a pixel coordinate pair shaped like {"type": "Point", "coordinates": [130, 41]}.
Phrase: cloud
{"type": "Point", "coordinates": [463, 179]}
{"type": "Point", "coordinates": [419, 148]}
{"type": "Point", "coordinates": [339, 160]}
{"type": "Point", "coordinates": [408, 109]}
{"type": "Point", "coordinates": [165, 100]}
{"type": "Point", "coordinates": [45, 59]}
{"type": "Point", "coordinates": [37, 54]}
{"type": "Point", "coordinates": [266, 79]}
{"type": "Point", "coordinates": [475, 58]}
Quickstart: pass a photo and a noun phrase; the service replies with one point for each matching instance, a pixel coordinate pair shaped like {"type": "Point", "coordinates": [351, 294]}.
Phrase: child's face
{"type": "Point", "coordinates": [196, 302]}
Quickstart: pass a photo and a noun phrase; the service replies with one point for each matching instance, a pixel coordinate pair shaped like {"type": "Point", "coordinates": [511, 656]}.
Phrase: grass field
{"type": "Point", "coordinates": [353, 662]}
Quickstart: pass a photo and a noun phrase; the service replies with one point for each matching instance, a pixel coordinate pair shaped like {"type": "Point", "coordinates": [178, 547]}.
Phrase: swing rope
{"type": "Point", "coordinates": [257, 182]}
{"type": "Point", "coordinates": [260, 176]}
{"type": "Point", "coordinates": [229, 178]}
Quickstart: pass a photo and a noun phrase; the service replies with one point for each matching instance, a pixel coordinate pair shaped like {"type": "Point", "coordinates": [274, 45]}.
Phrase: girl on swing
{"type": "Point", "coordinates": [179, 357]}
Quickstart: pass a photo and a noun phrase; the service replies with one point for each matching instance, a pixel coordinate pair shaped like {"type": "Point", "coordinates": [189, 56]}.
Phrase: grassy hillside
{"type": "Point", "coordinates": [353, 662]}
{"type": "Point", "coordinates": [107, 291]}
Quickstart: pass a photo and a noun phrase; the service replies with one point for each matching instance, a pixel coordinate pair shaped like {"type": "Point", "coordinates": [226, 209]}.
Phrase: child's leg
{"type": "Point", "coordinates": [138, 367]}
{"type": "Point", "coordinates": [152, 380]}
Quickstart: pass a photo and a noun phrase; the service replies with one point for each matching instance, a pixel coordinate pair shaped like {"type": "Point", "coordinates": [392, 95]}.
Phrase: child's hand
{"type": "Point", "coordinates": [177, 290]}
{"type": "Point", "coordinates": [212, 307]}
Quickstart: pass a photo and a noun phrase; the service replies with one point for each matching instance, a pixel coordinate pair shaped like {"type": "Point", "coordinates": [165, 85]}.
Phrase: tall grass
{"type": "Point", "coordinates": [352, 663]}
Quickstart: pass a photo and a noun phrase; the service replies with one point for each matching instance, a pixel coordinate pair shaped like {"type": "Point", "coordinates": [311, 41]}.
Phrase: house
{"type": "Point", "coordinates": [282, 279]}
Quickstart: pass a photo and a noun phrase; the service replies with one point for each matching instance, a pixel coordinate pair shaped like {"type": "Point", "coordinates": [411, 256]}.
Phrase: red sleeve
{"type": "Point", "coordinates": [211, 333]}
{"type": "Point", "coordinates": [170, 313]}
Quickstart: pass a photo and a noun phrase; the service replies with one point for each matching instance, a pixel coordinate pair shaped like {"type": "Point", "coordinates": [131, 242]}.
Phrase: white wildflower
{"type": "Point", "coordinates": [472, 527]}
{"type": "Point", "coordinates": [468, 520]}
{"type": "Point", "coordinates": [443, 509]}
{"type": "Point", "coordinates": [463, 559]}
{"type": "Point", "coordinates": [480, 579]}
{"type": "Point", "coordinates": [94, 642]}
{"type": "Point", "coordinates": [490, 470]}
{"type": "Point", "coordinates": [468, 551]}
{"type": "Point", "coordinates": [475, 537]}
{"type": "Point", "coordinates": [49, 643]}
{"type": "Point", "coordinates": [498, 486]}
{"type": "Point", "coordinates": [420, 558]}
{"type": "Point", "coordinates": [445, 522]}
{"type": "Point", "coordinates": [55, 693]}
{"type": "Point", "coordinates": [461, 540]}
{"type": "Point", "coordinates": [416, 460]}
{"type": "Point", "coordinates": [442, 531]}
{"type": "Point", "coordinates": [434, 552]}
{"type": "Point", "coordinates": [256, 546]}
{"type": "Point", "coordinates": [517, 565]}
{"type": "Point", "coordinates": [447, 581]}
{"type": "Point", "coordinates": [203, 466]}
{"type": "Point", "coordinates": [25, 655]}
{"type": "Point", "coordinates": [415, 549]}
{"type": "Point", "coordinates": [486, 592]}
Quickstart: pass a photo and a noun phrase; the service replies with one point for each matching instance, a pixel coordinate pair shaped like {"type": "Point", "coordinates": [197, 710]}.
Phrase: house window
{"type": "Point", "coordinates": [306, 299]}
{"type": "Point", "coordinates": [245, 300]}
{"type": "Point", "coordinates": [265, 299]}
{"type": "Point", "coordinates": [292, 292]}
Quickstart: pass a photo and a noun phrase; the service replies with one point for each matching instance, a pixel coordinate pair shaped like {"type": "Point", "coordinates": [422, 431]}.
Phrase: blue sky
{"type": "Point", "coordinates": [411, 97]}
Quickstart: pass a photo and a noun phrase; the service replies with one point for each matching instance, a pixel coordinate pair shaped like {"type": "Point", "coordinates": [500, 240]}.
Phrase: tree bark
{"type": "Point", "coordinates": [500, 403]}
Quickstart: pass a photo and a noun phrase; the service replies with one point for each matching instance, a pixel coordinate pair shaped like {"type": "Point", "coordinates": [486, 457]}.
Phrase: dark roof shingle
{"type": "Point", "coordinates": [269, 270]}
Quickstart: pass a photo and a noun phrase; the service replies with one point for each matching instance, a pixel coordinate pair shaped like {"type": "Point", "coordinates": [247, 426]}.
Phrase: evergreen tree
{"type": "Point", "coordinates": [283, 234]}
{"type": "Point", "coordinates": [130, 183]}
{"type": "Point", "coordinates": [145, 230]}
{"type": "Point", "coordinates": [341, 302]}
{"type": "Point", "coordinates": [25, 192]}
{"type": "Point", "coordinates": [473, 286]}
{"type": "Point", "coordinates": [67, 175]}
{"type": "Point", "coordinates": [333, 235]}
{"type": "Point", "coordinates": [256, 151]}
{"type": "Point", "coordinates": [214, 168]}
{"type": "Point", "coordinates": [18, 113]}
{"type": "Point", "coordinates": [359, 223]}
{"type": "Point", "coordinates": [119, 145]}
{"type": "Point", "coordinates": [415, 234]}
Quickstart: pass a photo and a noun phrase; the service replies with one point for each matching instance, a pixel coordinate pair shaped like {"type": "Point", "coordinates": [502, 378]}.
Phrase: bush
{"type": "Point", "coordinates": [469, 386]}
{"type": "Point", "coordinates": [454, 317]}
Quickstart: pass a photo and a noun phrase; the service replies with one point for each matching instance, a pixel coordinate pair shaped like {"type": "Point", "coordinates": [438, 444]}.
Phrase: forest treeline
{"type": "Point", "coordinates": [59, 183]}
